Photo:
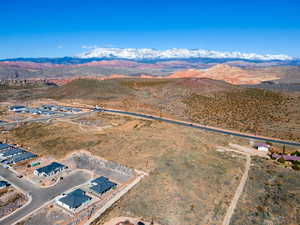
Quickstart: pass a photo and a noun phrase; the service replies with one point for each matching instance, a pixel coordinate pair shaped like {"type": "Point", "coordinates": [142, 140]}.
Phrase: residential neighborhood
{"type": "Point", "coordinates": [10, 154]}
{"type": "Point", "coordinates": [33, 175]}
{"type": "Point", "coordinates": [80, 186]}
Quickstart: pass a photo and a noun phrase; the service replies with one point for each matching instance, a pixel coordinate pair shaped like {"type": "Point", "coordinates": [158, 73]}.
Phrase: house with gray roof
{"type": "Point", "coordinates": [73, 200]}
{"type": "Point", "coordinates": [4, 146]}
{"type": "Point", "coordinates": [18, 108]}
{"type": "Point", "coordinates": [99, 180]}
{"type": "Point", "coordinates": [50, 107]}
{"type": "Point", "coordinates": [21, 157]}
{"type": "Point", "coordinates": [50, 169]}
{"type": "Point", "coordinates": [10, 153]}
{"type": "Point", "coordinates": [101, 185]}
{"type": "Point", "coordinates": [4, 184]}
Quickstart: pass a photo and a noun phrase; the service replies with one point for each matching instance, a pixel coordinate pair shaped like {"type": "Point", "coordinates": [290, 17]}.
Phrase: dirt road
{"type": "Point", "coordinates": [238, 192]}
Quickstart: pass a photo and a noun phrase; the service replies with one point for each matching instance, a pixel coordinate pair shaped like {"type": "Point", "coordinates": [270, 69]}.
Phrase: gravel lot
{"type": "Point", "coordinates": [48, 216]}
{"type": "Point", "coordinates": [101, 167]}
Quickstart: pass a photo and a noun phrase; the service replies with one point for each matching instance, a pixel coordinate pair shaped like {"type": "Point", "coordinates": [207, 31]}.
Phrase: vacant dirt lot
{"type": "Point", "coordinates": [10, 200]}
{"type": "Point", "coordinates": [271, 196]}
{"type": "Point", "coordinates": [188, 179]}
{"type": "Point", "coordinates": [47, 216]}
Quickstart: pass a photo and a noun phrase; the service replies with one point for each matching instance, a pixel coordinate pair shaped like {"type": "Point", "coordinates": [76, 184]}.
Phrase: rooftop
{"type": "Point", "coordinates": [75, 198]}
{"type": "Point", "coordinates": [4, 183]}
{"type": "Point", "coordinates": [12, 152]}
{"type": "Point", "coordinates": [24, 156]}
{"type": "Point", "coordinates": [261, 145]}
{"type": "Point", "coordinates": [17, 107]}
{"type": "Point", "coordinates": [102, 185]}
{"type": "Point", "coordinates": [4, 146]}
{"type": "Point", "coordinates": [99, 180]}
{"type": "Point", "coordinates": [50, 168]}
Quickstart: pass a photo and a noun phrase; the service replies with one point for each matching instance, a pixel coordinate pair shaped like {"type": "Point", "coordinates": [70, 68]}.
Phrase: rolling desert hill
{"type": "Point", "coordinates": [230, 74]}
{"type": "Point", "coordinates": [235, 72]}
{"type": "Point", "coordinates": [203, 100]}
{"type": "Point", "coordinates": [286, 74]}
{"type": "Point", "coordinates": [30, 70]}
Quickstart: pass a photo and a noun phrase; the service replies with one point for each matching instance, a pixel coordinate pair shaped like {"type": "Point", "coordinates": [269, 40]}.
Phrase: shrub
{"type": "Point", "coordinates": [281, 160]}
{"type": "Point", "coordinates": [296, 153]}
{"type": "Point", "coordinates": [296, 167]}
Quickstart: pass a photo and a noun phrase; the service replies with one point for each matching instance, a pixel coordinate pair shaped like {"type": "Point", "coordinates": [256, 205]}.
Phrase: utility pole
{"type": "Point", "coordinates": [283, 150]}
{"type": "Point", "coordinates": [152, 222]}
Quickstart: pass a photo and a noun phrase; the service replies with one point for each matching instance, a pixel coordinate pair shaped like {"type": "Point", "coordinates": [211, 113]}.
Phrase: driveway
{"type": "Point", "coordinates": [40, 196]}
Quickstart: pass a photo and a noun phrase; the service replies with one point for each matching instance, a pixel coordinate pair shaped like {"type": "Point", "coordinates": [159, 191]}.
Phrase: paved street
{"type": "Point", "coordinates": [40, 196]}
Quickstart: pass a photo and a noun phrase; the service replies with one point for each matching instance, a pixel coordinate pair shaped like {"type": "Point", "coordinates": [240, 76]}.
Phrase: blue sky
{"type": "Point", "coordinates": [36, 28]}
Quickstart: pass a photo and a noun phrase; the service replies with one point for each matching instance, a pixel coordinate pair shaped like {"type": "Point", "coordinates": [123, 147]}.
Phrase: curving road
{"type": "Point", "coordinates": [39, 196]}
{"type": "Point", "coordinates": [203, 127]}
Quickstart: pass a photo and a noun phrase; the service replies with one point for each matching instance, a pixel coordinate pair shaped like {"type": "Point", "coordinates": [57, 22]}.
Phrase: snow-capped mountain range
{"type": "Point", "coordinates": [174, 53]}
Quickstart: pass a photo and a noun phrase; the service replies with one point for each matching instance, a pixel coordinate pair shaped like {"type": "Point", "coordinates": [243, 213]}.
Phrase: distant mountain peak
{"type": "Point", "coordinates": [174, 53]}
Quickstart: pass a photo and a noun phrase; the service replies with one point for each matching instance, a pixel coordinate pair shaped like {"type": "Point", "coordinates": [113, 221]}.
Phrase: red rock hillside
{"type": "Point", "coordinates": [230, 74]}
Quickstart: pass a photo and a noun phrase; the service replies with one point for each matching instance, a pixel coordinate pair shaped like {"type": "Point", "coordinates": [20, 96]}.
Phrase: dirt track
{"type": "Point", "coordinates": [238, 192]}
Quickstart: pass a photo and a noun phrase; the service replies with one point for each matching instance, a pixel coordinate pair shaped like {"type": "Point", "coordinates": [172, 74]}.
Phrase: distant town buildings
{"type": "Point", "coordinates": [44, 109]}
{"type": "Point", "coordinates": [18, 108]}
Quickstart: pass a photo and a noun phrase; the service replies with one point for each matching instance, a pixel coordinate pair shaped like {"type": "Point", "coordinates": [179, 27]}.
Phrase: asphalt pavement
{"type": "Point", "coordinates": [40, 196]}
{"type": "Point", "coordinates": [176, 122]}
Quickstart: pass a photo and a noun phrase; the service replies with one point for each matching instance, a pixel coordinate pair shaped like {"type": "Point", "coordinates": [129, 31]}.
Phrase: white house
{"type": "Point", "coordinates": [49, 170]}
{"type": "Point", "coordinates": [73, 200]}
{"type": "Point", "coordinates": [262, 147]}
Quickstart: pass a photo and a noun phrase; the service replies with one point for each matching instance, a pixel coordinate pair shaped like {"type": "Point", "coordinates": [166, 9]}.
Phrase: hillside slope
{"type": "Point", "coordinates": [202, 100]}
{"type": "Point", "coordinates": [90, 89]}
{"type": "Point", "coordinates": [230, 74]}
{"type": "Point", "coordinates": [235, 72]}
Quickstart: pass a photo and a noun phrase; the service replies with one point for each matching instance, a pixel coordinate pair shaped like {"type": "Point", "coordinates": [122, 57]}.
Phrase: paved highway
{"type": "Point", "coordinates": [167, 120]}
{"type": "Point", "coordinates": [203, 127]}
{"type": "Point", "coordinates": [40, 196]}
